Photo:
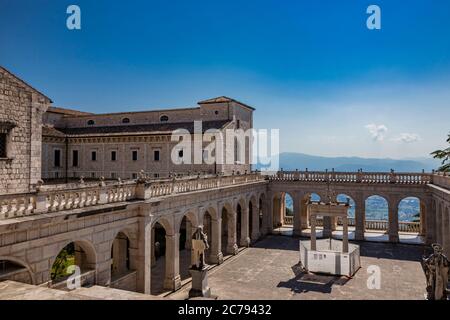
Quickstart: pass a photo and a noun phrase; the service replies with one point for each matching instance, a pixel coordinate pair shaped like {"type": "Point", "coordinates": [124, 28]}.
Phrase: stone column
{"type": "Point", "coordinates": [232, 247]}
{"type": "Point", "coordinates": [360, 217]}
{"type": "Point", "coordinates": [216, 255]}
{"type": "Point", "coordinates": [140, 258]}
{"type": "Point", "coordinates": [172, 279]}
{"type": "Point", "coordinates": [255, 223]}
{"type": "Point", "coordinates": [303, 213]}
{"type": "Point", "coordinates": [393, 221]}
{"type": "Point", "coordinates": [245, 239]}
{"type": "Point", "coordinates": [297, 215]}
{"type": "Point", "coordinates": [313, 232]}
{"type": "Point", "coordinates": [345, 235]}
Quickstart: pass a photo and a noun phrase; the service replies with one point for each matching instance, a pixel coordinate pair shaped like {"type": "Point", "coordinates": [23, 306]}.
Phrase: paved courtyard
{"type": "Point", "coordinates": [269, 270]}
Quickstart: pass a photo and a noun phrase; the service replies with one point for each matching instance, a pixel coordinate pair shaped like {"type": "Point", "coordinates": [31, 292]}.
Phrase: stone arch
{"type": "Point", "coordinates": [413, 211]}
{"type": "Point", "coordinates": [279, 207]}
{"type": "Point", "coordinates": [167, 224]}
{"type": "Point", "coordinates": [376, 211]}
{"type": "Point", "coordinates": [211, 209]}
{"type": "Point", "coordinates": [26, 277]}
{"type": "Point", "coordinates": [186, 225]}
{"type": "Point", "coordinates": [342, 197]}
{"type": "Point", "coordinates": [84, 256]}
{"type": "Point", "coordinates": [121, 257]}
{"type": "Point", "coordinates": [162, 228]}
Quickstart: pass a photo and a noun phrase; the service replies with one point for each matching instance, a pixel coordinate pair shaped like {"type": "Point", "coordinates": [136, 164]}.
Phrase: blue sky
{"type": "Point", "coordinates": [310, 68]}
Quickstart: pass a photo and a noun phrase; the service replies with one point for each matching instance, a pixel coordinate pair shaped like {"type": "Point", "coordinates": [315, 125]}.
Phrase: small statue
{"type": "Point", "coordinates": [199, 246]}
{"type": "Point", "coordinates": [142, 177]}
{"type": "Point", "coordinates": [102, 181]}
{"type": "Point", "coordinates": [436, 269]}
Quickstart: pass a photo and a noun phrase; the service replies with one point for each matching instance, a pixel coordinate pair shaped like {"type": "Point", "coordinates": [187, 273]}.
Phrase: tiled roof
{"type": "Point", "coordinates": [69, 112]}
{"type": "Point", "coordinates": [223, 99]}
{"type": "Point", "coordinates": [149, 128]}
{"type": "Point", "coordinates": [52, 132]}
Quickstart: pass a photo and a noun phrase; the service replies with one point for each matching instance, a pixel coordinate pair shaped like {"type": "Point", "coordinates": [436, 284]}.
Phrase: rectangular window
{"type": "Point", "coordinates": [74, 158]}
{"type": "Point", "coordinates": [134, 176]}
{"type": "Point", "coordinates": [94, 156]}
{"type": "Point", "coordinates": [3, 145]}
{"type": "Point", "coordinates": [113, 155]}
{"type": "Point", "coordinates": [57, 158]}
{"type": "Point", "coordinates": [135, 155]}
{"type": "Point", "coordinates": [156, 155]}
{"type": "Point", "coordinates": [113, 175]}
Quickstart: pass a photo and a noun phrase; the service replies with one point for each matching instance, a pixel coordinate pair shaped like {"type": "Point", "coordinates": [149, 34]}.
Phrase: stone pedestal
{"type": "Point", "coordinates": [200, 286]}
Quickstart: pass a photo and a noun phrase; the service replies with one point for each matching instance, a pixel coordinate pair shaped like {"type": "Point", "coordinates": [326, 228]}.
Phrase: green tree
{"type": "Point", "coordinates": [444, 155]}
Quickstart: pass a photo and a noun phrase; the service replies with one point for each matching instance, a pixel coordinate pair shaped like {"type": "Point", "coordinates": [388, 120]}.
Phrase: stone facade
{"type": "Point", "coordinates": [113, 224]}
{"type": "Point", "coordinates": [126, 143]}
{"type": "Point", "coordinates": [21, 110]}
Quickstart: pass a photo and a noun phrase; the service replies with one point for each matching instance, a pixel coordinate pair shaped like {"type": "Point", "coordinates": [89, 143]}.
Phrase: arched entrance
{"type": "Point", "coordinates": [283, 210]}
{"type": "Point", "coordinates": [187, 228]}
{"type": "Point", "coordinates": [15, 270]}
{"type": "Point", "coordinates": [376, 213]}
{"type": "Point", "coordinates": [239, 217]}
{"type": "Point", "coordinates": [207, 228]}
{"type": "Point", "coordinates": [77, 256]}
{"type": "Point", "coordinates": [411, 216]}
{"type": "Point", "coordinates": [158, 272]}
{"type": "Point", "coordinates": [120, 256]}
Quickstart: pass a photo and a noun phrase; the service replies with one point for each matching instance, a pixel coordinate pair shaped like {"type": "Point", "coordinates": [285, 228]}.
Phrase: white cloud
{"type": "Point", "coordinates": [407, 138]}
{"type": "Point", "coordinates": [378, 132]}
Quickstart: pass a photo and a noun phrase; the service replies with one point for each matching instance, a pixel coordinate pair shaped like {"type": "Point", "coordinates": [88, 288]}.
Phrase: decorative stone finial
{"type": "Point", "coordinates": [81, 180]}
{"type": "Point", "coordinates": [102, 181]}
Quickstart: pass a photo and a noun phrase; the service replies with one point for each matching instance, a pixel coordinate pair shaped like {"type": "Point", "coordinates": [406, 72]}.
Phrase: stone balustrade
{"type": "Point", "coordinates": [356, 177]}
{"type": "Point", "coordinates": [442, 179]}
{"type": "Point", "coordinates": [53, 198]}
{"type": "Point", "coordinates": [289, 220]}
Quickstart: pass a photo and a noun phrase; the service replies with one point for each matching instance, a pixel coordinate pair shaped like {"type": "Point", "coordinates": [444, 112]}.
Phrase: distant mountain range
{"type": "Point", "coordinates": [300, 161]}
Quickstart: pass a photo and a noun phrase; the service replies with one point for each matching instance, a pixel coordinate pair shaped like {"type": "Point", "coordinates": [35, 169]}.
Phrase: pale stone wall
{"type": "Point", "coordinates": [21, 106]}
{"type": "Point", "coordinates": [145, 144]}
{"type": "Point", "coordinates": [36, 242]}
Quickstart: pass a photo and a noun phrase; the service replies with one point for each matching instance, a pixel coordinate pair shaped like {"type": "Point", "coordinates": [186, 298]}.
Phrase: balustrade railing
{"type": "Point", "coordinates": [354, 177]}
{"type": "Point", "coordinates": [374, 225]}
{"type": "Point", "coordinates": [53, 198]}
